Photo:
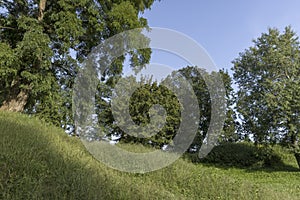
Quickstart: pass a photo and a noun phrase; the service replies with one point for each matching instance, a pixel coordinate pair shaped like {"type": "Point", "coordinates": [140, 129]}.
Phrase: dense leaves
{"type": "Point", "coordinates": [243, 155]}
{"type": "Point", "coordinates": [150, 93]}
{"type": "Point", "coordinates": [268, 78]}
{"type": "Point", "coordinates": [43, 43]}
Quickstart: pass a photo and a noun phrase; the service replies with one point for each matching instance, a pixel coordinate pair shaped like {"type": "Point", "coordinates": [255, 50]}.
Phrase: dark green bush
{"type": "Point", "coordinates": [242, 155]}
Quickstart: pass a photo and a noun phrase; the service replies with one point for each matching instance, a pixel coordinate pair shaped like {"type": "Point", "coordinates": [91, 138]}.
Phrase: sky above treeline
{"type": "Point", "coordinates": [222, 27]}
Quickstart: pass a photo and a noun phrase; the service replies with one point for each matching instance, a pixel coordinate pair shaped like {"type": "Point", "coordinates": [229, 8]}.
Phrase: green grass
{"type": "Point", "coordinates": [38, 161]}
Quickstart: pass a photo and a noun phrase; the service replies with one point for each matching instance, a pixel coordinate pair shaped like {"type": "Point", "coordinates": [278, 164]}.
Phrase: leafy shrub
{"type": "Point", "coordinates": [242, 155]}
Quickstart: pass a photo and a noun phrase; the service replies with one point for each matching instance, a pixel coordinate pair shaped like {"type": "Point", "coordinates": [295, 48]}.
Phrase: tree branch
{"type": "Point", "coordinates": [42, 7]}
{"type": "Point", "coordinates": [6, 27]}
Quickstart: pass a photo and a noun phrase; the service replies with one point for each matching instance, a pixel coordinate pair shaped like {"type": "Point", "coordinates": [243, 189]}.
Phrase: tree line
{"type": "Point", "coordinates": [42, 44]}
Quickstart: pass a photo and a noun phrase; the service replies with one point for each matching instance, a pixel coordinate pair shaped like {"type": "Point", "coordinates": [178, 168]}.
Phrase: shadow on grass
{"type": "Point", "coordinates": [245, 156]}
{"type": "Point", "coordinates": [53, 164]}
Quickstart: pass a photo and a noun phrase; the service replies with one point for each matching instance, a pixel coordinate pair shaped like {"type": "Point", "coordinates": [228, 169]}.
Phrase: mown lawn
{"type": "Point", "coordinates": [38, 161]}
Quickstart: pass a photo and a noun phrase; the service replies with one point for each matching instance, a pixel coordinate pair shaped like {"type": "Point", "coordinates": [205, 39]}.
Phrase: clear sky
{"type": "Point", "coordinates": [223, 27]}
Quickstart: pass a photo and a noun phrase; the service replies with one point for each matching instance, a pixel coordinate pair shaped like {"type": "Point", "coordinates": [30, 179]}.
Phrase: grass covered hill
{"type": "Point", "coordinates": [38, 161]}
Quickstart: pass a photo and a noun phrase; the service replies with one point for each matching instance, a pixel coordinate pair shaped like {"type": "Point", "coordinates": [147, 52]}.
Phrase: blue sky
{"type": "Point", "coordinates": [224, 27]}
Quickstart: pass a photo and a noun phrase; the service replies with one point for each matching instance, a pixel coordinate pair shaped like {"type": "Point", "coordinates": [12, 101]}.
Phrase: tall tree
{"type": "Point", "coordinates": [147, 94]}
{"type": "Point", "coordinates": [268, 99]}
{"type": "Point", "coordinates": [200, 87]}
{"type": "Point", "coordinates": [151, 93]}
{"type": "Point", "coordinates": [42, 42]}
{"type": "Point", "coordinates": [230, 130]}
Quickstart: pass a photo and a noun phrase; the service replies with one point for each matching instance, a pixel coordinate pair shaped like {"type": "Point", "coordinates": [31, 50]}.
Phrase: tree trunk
{"type": "Point", "coordinates": [42, 7]}
{"type": "Point", "coordinates": [17, 98]}
{"type": "Point", "coordinates": [294, 139]}
{"type": "Point", "coordinates": [15, 103]}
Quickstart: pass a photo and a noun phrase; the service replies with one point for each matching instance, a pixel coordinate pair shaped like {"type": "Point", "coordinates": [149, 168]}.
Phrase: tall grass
{"type": "Point", "coordinates": [38, 161]}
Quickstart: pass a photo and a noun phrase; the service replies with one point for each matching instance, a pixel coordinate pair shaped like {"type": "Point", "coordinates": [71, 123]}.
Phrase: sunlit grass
{"type": "Point", "coordinates": [38, 161]}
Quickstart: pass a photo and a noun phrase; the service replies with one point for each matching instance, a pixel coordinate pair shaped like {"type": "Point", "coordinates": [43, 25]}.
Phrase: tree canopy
{"type": "Point", "coordinates": [43, 42]}
{"type": "Point", "coordinates": [151, 93]}
{"type": "Point", "coordinates": [268, 98]}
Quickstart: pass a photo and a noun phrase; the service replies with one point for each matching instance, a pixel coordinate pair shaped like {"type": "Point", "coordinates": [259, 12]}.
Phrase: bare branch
{"type": "Point", "coordinates": [6, 27]}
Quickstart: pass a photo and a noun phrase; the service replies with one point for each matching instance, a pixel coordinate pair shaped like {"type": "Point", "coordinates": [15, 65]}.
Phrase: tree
{"type": "Point", "coordinates": [150, 93]}
{"type": "Point", "coordinates": [201, 90]}
{"type": "Point", "coordinates": [230, 131]}
{"type": "Point", "coordinates": [146, 129]}
{"type": "Point", "coordinates": [43, 42]}
{"type": "Point", "coordinates": [268, 98]}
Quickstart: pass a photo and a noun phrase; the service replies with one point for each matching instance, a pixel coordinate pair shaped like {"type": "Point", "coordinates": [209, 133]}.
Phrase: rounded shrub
{"type": "Point", "coordinates": [242, 155]}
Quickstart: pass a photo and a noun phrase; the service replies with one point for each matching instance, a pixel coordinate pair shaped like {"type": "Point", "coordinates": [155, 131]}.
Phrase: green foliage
{"type": "Point", "coordinates": [268, 78]}
{"type": "Point", "coordinates": [141, 102]}
{"type": "Point", "coordinates": [41, 50]}
{"type": "Point", "coordinates": [243, 155]}
{"type": "Point", "coordinates": [149, 93]}
{"type": "Point", "coordinates": [38, 161]}
{"type": "Point", "coordinates": [196, 77]}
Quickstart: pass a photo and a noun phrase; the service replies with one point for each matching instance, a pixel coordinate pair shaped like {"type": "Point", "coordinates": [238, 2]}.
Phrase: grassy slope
{"type": "Point", "coordinates": [38, 161]}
